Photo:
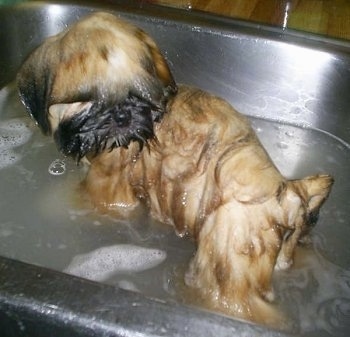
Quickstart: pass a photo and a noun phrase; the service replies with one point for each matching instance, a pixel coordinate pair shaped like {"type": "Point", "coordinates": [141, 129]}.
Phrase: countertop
{"type": "Point", "coordinates": [325, 17]}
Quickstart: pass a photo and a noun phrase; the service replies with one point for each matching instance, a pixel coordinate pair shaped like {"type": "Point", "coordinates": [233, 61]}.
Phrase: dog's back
{"type": "Point", "coordinates": [208, 176]}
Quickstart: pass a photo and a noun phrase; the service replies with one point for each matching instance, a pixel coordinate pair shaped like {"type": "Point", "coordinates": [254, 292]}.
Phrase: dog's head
{"type": "Point", "coordinates": [100, 84]}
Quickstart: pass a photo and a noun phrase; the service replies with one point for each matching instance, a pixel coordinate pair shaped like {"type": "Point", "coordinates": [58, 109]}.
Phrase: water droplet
{"type": "Point", "coordinates": [296, 111]}
{"type": "Point", "coordinates": [282, 145]}
{"type": "Point", "coordinates": [184, 199]}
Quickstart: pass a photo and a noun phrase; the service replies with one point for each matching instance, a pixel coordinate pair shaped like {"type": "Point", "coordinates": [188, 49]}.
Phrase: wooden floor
{"type": "Point", "coordinates": [326, 17]}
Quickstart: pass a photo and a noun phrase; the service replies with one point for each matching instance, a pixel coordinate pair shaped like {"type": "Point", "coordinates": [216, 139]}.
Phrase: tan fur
{"type": "Point", "coordinates": [99, 58]}
{"type": "Point", "coordinates": [209, 177]}
{"type": "Point", "coordinates": [110, 47]}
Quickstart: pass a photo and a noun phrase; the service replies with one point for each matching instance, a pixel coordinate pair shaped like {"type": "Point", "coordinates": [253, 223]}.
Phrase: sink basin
{"type": "Point", "coordinates": [70, 271]}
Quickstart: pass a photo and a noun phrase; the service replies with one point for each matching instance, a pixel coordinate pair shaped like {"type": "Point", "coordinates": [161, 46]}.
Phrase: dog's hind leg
{"type": "Point", "coordinates": [234, 263]}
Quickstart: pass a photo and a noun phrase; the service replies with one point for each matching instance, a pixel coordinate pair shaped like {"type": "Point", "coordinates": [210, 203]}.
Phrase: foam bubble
{"type": "Point", "coordinates": [102, 263]}
{"type": "Point", "coordinates": [57, 167]}
{"type": "Point", "coordinates": [13, 133]}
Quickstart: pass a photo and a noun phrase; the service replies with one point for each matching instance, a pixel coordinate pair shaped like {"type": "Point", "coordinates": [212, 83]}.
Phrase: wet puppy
{"type": "Point", "coordinates": [99, 85]}
{"type": "Point", "coordinates": [102, 89]}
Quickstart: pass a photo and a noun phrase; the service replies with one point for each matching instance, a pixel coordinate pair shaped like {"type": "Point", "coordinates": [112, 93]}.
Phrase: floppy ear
{"type": "Point", "coordinates": [34, 83]}
{"type": "Point", "coordinates": [314, 190]}
{"type": "Point", "coordinates": [161, 68]}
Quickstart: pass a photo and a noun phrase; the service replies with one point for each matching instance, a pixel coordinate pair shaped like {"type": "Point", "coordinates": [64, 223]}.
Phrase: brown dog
{"type": "Point", "coordinates": [203, 170]}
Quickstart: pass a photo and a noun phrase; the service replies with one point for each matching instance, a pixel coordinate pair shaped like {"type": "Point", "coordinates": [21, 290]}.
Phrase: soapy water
{"type": "Point", "coordinates": [316, 292]}
{"type": "Point", "coordinates": [40, 224]}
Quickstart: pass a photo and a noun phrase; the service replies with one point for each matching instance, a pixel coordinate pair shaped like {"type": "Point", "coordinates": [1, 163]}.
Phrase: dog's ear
{"type": "Point", "coordinates": [161, 69]}
{"type": "Point", "coordinates": [34, 82]}
{"type": "Point", "coordinates": [314, 190]}
{"type": "Point", "coordinates": [100, 58]}
{"type": "Point", "coordinates": [302, 199]}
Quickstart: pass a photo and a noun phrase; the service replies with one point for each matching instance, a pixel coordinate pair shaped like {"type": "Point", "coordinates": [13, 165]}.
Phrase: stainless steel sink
{"type": "Point", "coordinates": [294, 87]}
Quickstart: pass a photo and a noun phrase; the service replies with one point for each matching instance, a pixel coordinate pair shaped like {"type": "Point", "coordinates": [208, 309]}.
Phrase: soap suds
{"type": "Point", "coordinates": [102, 263]}
{"type": "Point", "coordinates": [13, 133]}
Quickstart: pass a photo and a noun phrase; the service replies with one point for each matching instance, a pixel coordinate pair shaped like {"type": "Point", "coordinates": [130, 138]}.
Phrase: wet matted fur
{"type": "Point", "coordinates": [209, 177]}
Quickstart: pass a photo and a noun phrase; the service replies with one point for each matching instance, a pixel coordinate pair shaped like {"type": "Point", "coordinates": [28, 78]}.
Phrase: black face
{"type": "Point", "coordinates": [100, 128]}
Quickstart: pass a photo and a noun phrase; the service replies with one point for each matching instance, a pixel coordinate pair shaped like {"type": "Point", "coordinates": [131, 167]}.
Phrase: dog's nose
{"type": "Point", "coordinates": [122, 117]}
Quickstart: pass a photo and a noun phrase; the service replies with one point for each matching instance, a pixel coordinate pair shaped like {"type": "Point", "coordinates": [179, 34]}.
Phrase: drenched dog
{"type": "Point", "coordinates": [106, 94]}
